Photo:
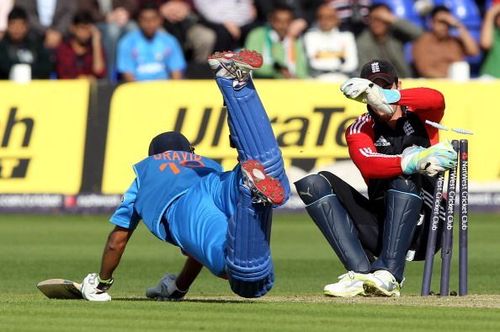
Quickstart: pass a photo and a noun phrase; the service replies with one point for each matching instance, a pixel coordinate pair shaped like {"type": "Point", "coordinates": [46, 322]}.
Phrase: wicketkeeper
{"type": "Point", "coordinates": [220, 220]}
{"type": "Point", "coordinates": [398, 156]}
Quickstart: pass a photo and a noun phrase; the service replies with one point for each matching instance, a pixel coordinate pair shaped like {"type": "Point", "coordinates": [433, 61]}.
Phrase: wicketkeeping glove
{"type": "Point", "coordinates": [367, 92]}
{"type": "Point", "coordinates": [95, 289]}
{"type": "Point", "coordinates": [166, 290]}
{"type": "Point", "coordinates": [429, 161]}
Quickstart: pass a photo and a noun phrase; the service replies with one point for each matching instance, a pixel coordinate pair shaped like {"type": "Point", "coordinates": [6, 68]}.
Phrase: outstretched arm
{"type": "Point", "coordinates": [113, 251]}
{"type": "Point", "coordinates": [188, 274]}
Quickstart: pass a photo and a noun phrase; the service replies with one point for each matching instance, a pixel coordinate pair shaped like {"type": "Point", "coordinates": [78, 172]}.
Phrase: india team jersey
{"type": "Point", "coordinates": [160, 179]}
{"type": "Point", "coordinates": [149, 59]}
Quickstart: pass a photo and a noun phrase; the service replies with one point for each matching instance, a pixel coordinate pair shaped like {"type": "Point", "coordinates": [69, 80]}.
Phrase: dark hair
{"type": "Point", "coordinates": [83, 17]}
{"type": "Point", "coordinates": [376, 6]}
{"type": "Point", "coordinates": [439, 9]}
{"type": "Point", "coordinates": [17, 13]}
{"type": "Point", "coordinates": [282, 6]}
{"type": "Point", "coordinates": [150, 5]}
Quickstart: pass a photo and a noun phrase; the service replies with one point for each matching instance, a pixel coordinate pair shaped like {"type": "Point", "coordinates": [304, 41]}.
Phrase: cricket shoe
{"type": "Point", "coordinates": [265, 189]}
{"type": "Point", "coordinates": [381, 283]}
{"type": "Point", "coordinates": [236, 66]}
{"type": "Point", "coordinates": [350, 284]}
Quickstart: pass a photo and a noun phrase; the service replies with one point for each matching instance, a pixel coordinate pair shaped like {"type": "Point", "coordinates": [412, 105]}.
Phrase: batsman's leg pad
{"type": "Point", "coordinates": [403, 204]}
{"type": "Point", "coordinates": [251, 131]}
{"type": "Point", "coordinates": [334, 222]}
{"type": "Point", "coordinates": [248, 255]}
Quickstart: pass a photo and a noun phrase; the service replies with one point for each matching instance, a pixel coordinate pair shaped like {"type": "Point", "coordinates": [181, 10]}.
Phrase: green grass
{"type": "Point", "coordinates": [33, 248]}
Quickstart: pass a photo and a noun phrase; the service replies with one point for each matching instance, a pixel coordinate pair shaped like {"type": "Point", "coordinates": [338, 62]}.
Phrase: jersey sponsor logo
{"type": "Point", "coordinates": [382, 141]}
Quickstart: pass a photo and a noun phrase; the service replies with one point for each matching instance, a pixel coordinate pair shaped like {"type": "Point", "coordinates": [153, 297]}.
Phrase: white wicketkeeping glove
{"type": "Point", "coordinates": [429, 161]}
{"type": "Point", "coordinates": [166, 289]}
{"type": "Point", "coordinates": [93, 289]}
{"type": "Point", "coordinates": [367, 92]}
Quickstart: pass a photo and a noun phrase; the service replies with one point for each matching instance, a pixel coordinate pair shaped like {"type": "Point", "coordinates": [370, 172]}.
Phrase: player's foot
{"type": "Point", "coordinates": [381, 283]}
{"type": "Point", "coordinates": [350, 284]}
{"type": "Point", "coordinates": [235, 65]}
{"type": "Point", "coordinates": [265, 188]}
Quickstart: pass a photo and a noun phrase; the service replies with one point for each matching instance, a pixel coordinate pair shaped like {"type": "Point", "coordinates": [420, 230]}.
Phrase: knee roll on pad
{"type": "Point", "coordinates": [405, 185]}
{"type": "Point", "coordinates": [250, 129]}
{"type": "Point", "coordinates": [313, 187]}
{"type": "Point", "coordinates": [248, 255]}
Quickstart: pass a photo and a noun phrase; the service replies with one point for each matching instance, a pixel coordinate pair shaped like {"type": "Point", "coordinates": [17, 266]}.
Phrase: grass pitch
{"type": "Point", "coordinates": [33, 248]}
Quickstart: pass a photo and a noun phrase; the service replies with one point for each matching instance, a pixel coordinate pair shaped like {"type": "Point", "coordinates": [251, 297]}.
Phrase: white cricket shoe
{"type": "Point", "coordinates": [235, 65]}
{"type": "Point", "coordinates": [349, 285]}
{"type": "Point", "coordinates": [382, 283]}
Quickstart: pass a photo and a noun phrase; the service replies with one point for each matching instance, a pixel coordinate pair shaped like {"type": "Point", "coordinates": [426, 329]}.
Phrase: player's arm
{"type": "Point", "coordinates": [427, 103]}
{"type": "Point", "coordinates": [371, 164]}
{"type": "Point", "coordinates": [188, 274]}
{"type": "Point", "coordinates": [113, 251]}
{"type": "Point", "coordinates": [125, 219]}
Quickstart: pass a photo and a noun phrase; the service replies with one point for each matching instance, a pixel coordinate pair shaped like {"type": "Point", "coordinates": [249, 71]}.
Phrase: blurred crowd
{"type": "Point", "coordinates": [140, 40]}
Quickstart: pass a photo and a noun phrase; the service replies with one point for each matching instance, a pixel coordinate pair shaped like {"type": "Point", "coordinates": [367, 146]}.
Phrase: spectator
{"type": "Point", "coordinates": [181, 21]}
{"type": "Point", "coordinates": [19, 47]}
{"type": "Point", "coordinates": [490, 41]}
{"type": "Point", "coordinates": [114, 19]}
{"type": "Point", "coordinates": [284, 57]}
{"type": "Point", "coordinates": [304, 10]}
{"type": "Point", "coordinates": [436, 50]}
{"type": "Point", "coordinates": [49, 18]}
{"type": "Point", "coordinates": [81, 55]}
{"type": "Point", "coordinates": [331, 53]}
{"type": "Point", "coordinates": [385, 38]}
{"type": "Point", "coordinates": [353, 14]}
{"type": "Point", "coordinates": [230, 19]}
{"type": "Point", "coordinates": [5, 7]}
{"type": "Point", "coordinates": [150, 53]}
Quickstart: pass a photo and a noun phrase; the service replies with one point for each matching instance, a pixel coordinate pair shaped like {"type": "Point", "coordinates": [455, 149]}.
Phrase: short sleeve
{"type": "Point", "coordinates": [124, 59]}
{"type": "Point", "coordinates": [125, 215]}
{"type": "Point", "coordinates": [175, 60]}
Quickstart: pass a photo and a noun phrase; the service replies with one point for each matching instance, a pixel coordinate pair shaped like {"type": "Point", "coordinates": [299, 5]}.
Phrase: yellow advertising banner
{"type": "Point", "coordinates": [42, 133]}
{"type": "Point", "coordinates": [308, 117]}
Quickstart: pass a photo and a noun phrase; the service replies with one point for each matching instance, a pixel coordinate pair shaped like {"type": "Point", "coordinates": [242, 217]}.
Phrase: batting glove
{"type": "Point", "coordinates": [94, 289]}
{"type": "Point", "coordinates": [367, 92]}
{"type": "Point", "coordinates": [429, 161]}
{"type": "Point", "coordinates": [166, 290]}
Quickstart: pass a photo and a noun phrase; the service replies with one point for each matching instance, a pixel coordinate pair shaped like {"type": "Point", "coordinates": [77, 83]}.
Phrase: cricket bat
{"type": "Point", "coordinates": [60, 289]}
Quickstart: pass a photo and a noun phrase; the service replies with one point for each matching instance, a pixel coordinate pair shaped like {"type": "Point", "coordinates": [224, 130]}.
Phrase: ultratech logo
{"type": "Point", "coordinates": [295, 137]}
{"type": "Point", "coordinates": [14, 167]}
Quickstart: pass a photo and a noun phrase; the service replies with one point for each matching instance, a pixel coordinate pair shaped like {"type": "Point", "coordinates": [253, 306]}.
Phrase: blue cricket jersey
{"type": "Point", "coordinates": [149, 59]}
{"type": "Point", "coordinates": [160, 179]}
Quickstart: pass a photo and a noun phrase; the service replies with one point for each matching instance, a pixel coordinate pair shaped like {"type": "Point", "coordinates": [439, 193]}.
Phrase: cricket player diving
{"type": "Point", "coordinates": [220, 220]}
{"type": "Point", "coordinates": [398, 156]}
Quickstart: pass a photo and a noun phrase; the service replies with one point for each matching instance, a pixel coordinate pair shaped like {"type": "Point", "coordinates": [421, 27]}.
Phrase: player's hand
{"type": "Point", "coordinates": [166, 290]}
{"type": "Point", "coordinates": [93, 289]}
{"type": "Point", "coordinates": [429, 161]}
{"type": "Point", "coordinates": [365, 91]}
